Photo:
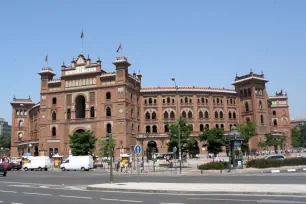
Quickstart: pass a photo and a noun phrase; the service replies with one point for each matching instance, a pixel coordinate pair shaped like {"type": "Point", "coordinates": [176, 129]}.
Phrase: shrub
{"type": "Point", "coordinates": [212, 166]}
{"type": "Point", "coordinates": [268, 163]}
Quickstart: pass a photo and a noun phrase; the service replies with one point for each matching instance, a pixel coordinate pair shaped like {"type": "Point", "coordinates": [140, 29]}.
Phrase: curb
{"type": "Point", "coordinates": [286, 170]}
{"type": "Point", "coordinates": [191, 192]}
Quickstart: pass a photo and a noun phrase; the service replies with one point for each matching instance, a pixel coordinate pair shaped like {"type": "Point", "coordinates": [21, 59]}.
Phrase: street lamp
{"type": "Point", "coordinates": [178, 126]}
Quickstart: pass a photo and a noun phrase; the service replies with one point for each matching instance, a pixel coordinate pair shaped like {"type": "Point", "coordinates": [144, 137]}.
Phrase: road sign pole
{"type": "Point", "coordinates": [137, 168]}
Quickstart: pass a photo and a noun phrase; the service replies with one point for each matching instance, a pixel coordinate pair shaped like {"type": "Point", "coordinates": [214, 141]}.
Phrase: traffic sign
{"type": "Point", "coordinates": [174, 149]}
{"type": "Point", "coordinates": [137, 149]}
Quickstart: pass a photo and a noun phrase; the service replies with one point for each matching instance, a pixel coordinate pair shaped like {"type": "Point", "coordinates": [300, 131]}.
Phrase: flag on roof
{"type": "Point", "coordinates": [119, 48]}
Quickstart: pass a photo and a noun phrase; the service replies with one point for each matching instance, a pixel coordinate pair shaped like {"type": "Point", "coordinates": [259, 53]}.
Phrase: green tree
{"type": "Point", "coordinates": [273, 141]}
{"type": "Point", "coordinates": [298, 136]}
{"type": "Point", "coordinates": [82, 143]}
{"type": "Point", "coordinates": [247, 131]}
{"type": "Point", "coordinates": [5, 142]}
{"type": "Point", "coordinates": [106, 147]}
{"type": "Point", "coordinates": [215, 139]}
{"type": "Point", "coordinates": [185, 132]}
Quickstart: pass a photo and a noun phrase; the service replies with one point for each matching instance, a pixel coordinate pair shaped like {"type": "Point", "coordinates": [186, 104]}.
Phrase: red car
{"type": "Point", "coordinates": [13, 166]}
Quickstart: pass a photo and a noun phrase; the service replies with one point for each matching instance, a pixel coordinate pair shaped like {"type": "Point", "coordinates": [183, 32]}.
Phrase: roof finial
{"type": "Point", "coordinates": [63, 63]}
{"type": "Point", "coordinates": [262, 72]}
{"type": "Point", "coordinates": [251, 70]}
{"type": "Point", "coordinates": [236, 74]}
{"type": "Point", "coordinates": [88, 57]}
{"type": "Point", "coordinates": [29, 97]}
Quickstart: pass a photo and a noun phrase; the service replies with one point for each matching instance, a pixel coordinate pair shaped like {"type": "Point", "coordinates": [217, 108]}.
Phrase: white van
{"type": "Point", "coordinates": [77, 163]}
{"type": "Point", "coordinates": [39, 163]}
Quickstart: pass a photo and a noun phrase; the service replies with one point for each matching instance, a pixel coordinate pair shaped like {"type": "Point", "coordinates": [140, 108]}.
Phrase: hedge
{"type": "Point", "coordinates": [212, 166]}
{"type": "Point", "coordinates": [267, 163]}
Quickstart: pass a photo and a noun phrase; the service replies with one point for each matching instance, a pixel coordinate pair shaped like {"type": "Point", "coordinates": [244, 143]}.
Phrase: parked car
{"type": "Point", "coordinates": [13, 166]}
{"type": "Point", "coordinates": [83, 163]}
{"type": "Point", "coordinates": [3, 171]}
{"type": "Point", "coordinates": [278, 157]}
{"type": "Point", "coordinates": [38, 163]}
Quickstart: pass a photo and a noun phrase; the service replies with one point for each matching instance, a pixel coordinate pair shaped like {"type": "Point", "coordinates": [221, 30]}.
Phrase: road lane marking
{"type": "Point", "coordinates": [129, 201]}
{"type": "Point", "coordinates": [222, 199]}
{"type": "Point", "coordinates": [291, 170]}
{"type": "Point", "coordinates": [16, 203]}
{"type": "Point", "coordinates": [65, 196]}
{"type": "Point", "coordinates": [275, 171]}
{"type": "Point", "coordinates": [278, 201]}
{"type": "Point", "coordinates": [170, 203]}
{"type": "Point", "coordinates": [304, 169]}
{"type": "Point", "coordinates": [2, 191]}
{"type": "Point", "coordinates": [43, 194]}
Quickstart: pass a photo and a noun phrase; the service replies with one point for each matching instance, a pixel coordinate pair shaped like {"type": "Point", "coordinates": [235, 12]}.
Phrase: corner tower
{"type": "Point", "coordinates": [253, 104]}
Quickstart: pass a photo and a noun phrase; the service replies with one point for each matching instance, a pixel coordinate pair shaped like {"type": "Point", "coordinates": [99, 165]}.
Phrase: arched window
{"type": "Point", "coordinates": [108, 128]}
{"type": "Point", "coordinates": [154, 115]}
{"type": "Point", "coordinates": [248, 120]}
{"type": "Point", "coordinates": [262, 119]}
{"type": "Point", "coordinates": [182, 100]}
{"type": "Point", "coordinates": [148, 129]}
{"type": "Point", "coordinates": [249, 91]}
{"type": "Point", "coordinates": [274, 113]}
{"type": "Point", "coordinates": [201, 127]}
{"type": "Point", "coordinates": [207, 126]}
{"type": "Point", "coordinates": [186, 100]}
{"type": "Point", "coordinates": [20, 124]}
{"type": "Point", "coordinates": [260, 104]}
{"type": "Point", "coordinates": [80, 106]}
{"type": "Point", "coordinates": [214, 101]}
{"type": "Point", "coordinates": [131, 97]}
{"type": "Point", "coordinates": [222, 126]}
{"type": "Point", "coordinates": [166, 115]}
{"type": "Point", "coordinates": [55, 150]}
{"type": "Point", "coordinates": [275, 122]}
{"type": "Point", "coordinates": [216, 114]}
{"type": "Point", "coordinates": [231, 101]}
{"type": "Point", "coordinates": [50, 152]}
{"type": "Point", "coordinates": [138, 128]}
{"type": "Point", "coordinates": [132, 127]}
{"type": "Point", "coordinates": [155, 101]}
{"type": "Point", "coordinates": [218, 100]}
{"type": "Point", "coordinates": [189, 114]}
{"type": "Point", "coordinates": [221, 101]}
{"type": "Point", "coordinates": [190, 100]}
{"type": "Point", "coordinates": [108, 96]}
{"type": "Point", "coordinates": [54, 101]}
{"type": "Point", "coordinates": [172, 115]}
{"type": "Point", "coordinates": [148, 116]}
{"type": "Point", "coordinates": [234, 115]}
{"type": "Point", "coordinates": [207, 100]}
{"type": "Point", "coordinates": [206, 115]}
{"type": "Point", "coordinates": [221, 114]}
{"type": "Point", "coordinates": [230, 114]}
{"type": "Point", "coordinates": [68, 114]}
{"type": "Point", "coordinates": [183, 114]}
{"type": "Point", "coordinates": [168, 100]}
{"type": "Point", "coordinates": [154, 129]}
{"type": "Point", "coordinates": [164, 100]}
{"type": "Point", "coordinates": [92, 112]}
{"type": "Point", "coordinates": [198, 100]}
{"type": "Point", "coordinates": [202, 100]}
{"type": "Point", "coordinates": [150, 100]}
{"type": "Point", "coordinates": [200, 114]}
{"type": "Point", "coordinates": [145, 101]}
{"type": "Point", "coordinates": [217, 125]}
{"type": "Point", "coordinates": [246, 105]}
{"type": "Point", "coordinates": [108, 112]}
{"type": "Point", "coordinates": [166, 128]}
{"type": "Point", "coordinates": [53, 131]}
{"type": "Point", "coordinates": [173, 100]}
{"type": "Point", "coordinates": [53, 115]}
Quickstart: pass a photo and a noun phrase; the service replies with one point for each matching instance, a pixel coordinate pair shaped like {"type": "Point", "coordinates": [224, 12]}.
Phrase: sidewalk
{"type": "Point", "coordinates": [195, 188]}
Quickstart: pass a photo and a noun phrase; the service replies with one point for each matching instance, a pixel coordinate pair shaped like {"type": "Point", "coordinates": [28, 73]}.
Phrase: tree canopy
{"type": "Point", "coordinates": [272, 141]}
{"type": "Point", "coordinates": [185, 132]}
{"type": "Point", "coordinates": [247, 131]}
{"type": "Point", "coordinates": [82, 143]}
{"type": "Point", "coordinates": [298, 136]}
{"type": "Point", "coordinates": [106, 147]}
{"type": "Point", "coordinates": [215, 139]}
{"type": "Point", "coordinates": [5, 142]}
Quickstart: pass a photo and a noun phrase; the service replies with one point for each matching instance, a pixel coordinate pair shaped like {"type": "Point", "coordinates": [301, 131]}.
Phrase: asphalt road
{"type": "Point", "coordinates": [70, 187]}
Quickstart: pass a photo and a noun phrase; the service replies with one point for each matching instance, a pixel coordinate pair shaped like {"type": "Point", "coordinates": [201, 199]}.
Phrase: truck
{"type": "Point", "coordinates": [38, 163]}
{"type": "Point", "coordinates": [83, 163]}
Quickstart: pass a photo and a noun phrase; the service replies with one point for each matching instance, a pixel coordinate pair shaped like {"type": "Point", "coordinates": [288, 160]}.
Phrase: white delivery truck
{"type": "Point", "coordinates": [77, 163]}
{"type": "Point", "coordinates": [39, 163]}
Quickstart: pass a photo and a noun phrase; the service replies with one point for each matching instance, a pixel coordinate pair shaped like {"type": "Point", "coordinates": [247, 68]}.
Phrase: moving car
{"type": "Point", "coordinates": [13, 166]}
{"type": "Point", "coordinates": [83, 163]}
{"type": "Point", "coordinates": [278, 157]}
{"type": "Point", "coordinates": [38, 163]}
{"type": "Point", "coordinates": [3, 171]}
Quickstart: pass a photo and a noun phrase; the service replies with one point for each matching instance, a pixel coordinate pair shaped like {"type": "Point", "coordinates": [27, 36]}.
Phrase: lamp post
{"type": "Point", "coordinates": [178, 126]}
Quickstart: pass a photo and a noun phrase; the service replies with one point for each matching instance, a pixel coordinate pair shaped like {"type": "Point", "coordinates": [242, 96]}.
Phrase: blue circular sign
{"type": "Point", "coordinates": [137, 149]}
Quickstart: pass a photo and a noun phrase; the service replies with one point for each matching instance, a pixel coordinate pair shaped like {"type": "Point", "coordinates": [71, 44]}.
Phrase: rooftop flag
{"type": "Point", "coordinates": [119, 48]}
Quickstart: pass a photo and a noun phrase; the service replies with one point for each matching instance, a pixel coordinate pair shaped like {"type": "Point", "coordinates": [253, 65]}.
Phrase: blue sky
{"type": "Point", "coordinates": [199, 42]}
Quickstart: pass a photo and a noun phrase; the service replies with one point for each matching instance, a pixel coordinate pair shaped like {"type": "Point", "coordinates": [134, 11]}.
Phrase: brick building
{"type": "Point", "coordinates": [86, 97]}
